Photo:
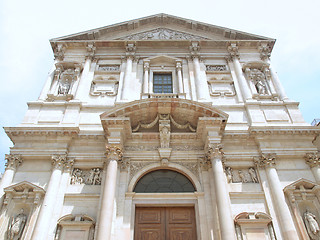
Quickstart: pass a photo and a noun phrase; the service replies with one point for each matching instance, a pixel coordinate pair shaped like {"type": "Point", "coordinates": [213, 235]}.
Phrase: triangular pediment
{"type": "Point", "coordinates": [23, 186]}
{"type": "Point", "coordinates": [161, 27]}
{"type": "Point", "coordinates": [301, 183]}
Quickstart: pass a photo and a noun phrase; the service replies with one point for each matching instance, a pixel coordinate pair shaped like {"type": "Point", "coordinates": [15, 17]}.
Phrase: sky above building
{"type": "Point", "coordinates": [26, 55]}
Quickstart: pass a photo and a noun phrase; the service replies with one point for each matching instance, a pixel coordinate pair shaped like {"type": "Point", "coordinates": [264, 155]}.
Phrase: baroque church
{"type": "Point", "coordinates": [162, 128]}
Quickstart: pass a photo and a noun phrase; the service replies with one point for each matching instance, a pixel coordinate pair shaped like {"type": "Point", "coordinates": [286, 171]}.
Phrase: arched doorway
{"type": "Point", "coordinates": [164, 222]}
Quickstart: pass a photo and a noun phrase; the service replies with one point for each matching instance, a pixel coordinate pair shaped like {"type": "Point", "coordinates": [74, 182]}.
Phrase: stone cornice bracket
{"type": "Point", "coordinates": [233, 51]}
{"type": "Point", "coordinates": [130, 50]}
{"type": "Point", "coordinates": [59, 51]}
{"type": "Point", "coordinates": [91, 51]}
{"type": "Point", "coordinates": [265, 160]}
{"type": "Point", "coordinates": [312, 159]}
{"type": "Point", "coordinates": [215, 151]}
{"type": "Point", "coordinates": [114, 152]}
{"type": "Point", "coordinates": [58, 161]}
{"type": "Point", "coordinates": [265, 51]}
{"type": "Point", "coordinates": [194, 49]}
{"type": "Point", "coordinates": [13, 161]}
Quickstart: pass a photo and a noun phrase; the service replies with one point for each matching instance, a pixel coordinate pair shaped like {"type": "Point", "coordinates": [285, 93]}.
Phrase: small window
{"type": "Point", "coordinates": [162, 83]}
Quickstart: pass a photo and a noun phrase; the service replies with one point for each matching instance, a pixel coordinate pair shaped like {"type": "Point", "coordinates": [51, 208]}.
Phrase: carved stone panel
{"type": "Point", "coordinates": [243, 175]}
{"type": "Point", "coordinates": [86, 176]}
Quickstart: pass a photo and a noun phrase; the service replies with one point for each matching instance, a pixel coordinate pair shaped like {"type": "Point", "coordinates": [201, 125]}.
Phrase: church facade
{"type": "Point", "coordinates": [162, 128]}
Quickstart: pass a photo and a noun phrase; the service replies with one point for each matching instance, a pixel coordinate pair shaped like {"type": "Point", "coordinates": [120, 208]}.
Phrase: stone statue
{"type": "Point", "coordinates": [261, 86]}
{"type": "Point", "coordinates": [242, 176]}
{"type": "Point", "coordinates": [94, 177]}
{"type": "Point", "coordinates": [229, 174]}
{"type": "Point", "coordinates": [17, 225]}
{"type": "Point", "coordinates": [311, 224]}
{"type": "Point", "coordinates": [64, 87]}
{"type": "Point", "coordinates": [164, 137]}
{"type": "Point", "coordinates": [253, 175]}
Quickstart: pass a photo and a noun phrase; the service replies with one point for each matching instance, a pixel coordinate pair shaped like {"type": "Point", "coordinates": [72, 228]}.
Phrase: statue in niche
{"type": "Point", "coordinates": [253, 175]}
{"type": "Point", "coordinates": [311, 224]}
{"type": "Point", "coordinates": [261, 87]}
{"type": "Point", "coordinates": [229, 174]}
{"type": "Point", "coordinates": [94, 177]}
{"type": "Point", "coordinates": [76, 177]}
{"type": "Point", "coordinates": [242, 176]}
{"type": "Point", "coordinates": [17, 225]}
{"type": "Point", "coordinates": [64, 86]}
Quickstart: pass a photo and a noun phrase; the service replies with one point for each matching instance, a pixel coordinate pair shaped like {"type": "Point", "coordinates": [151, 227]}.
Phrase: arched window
{"type": "Point", "coordinates": [164, 181]}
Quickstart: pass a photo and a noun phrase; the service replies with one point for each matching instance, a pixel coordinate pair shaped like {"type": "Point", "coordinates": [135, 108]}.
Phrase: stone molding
{"type": "Point", "coordinates": [312, 159]}
{"type": "Point", "coordinates": [13, 161]}
{"type": "Point", "coordinates": [265, 160]}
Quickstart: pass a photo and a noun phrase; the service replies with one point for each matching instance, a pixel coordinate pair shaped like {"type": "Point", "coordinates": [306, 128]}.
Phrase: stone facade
{"type": "Point", "coordinates": [99, 126]}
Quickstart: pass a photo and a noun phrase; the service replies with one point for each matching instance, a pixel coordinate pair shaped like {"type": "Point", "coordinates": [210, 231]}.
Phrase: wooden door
{"type": "Point", "coordinates": [165, 223]}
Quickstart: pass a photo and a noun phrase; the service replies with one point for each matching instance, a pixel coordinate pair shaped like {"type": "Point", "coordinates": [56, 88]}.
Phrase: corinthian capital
{"type": "Point", "coordinates": [233, 51]}
{"type": "Point", "coordinates": [266, 160]}
{"type": "Point", "coordinates": [215, 151]}
{"type": "Point", "coordinates": [114, 152]}
{"type": "Point", "coordinates": [130, 50]}
{"type": "Point", "coordinates": [312, 159]}
{"type": "Point", "coordinates": [13, 161]}
{"type": "Point", "coordinates": [265, 51]}
{"type": "Point", "coordinates": [58, 161]}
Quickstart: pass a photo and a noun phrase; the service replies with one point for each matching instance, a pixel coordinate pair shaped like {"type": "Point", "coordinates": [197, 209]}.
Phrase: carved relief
{"type": "Point", "coordinates": [162, 34]}
{"type": "Point", "coordinates": [164, 130]}
{"type": "Point", "coordinates": [88, 177]}
{"type": "Point", "coordinates": [233, 51]}
{"type": "Point", "coordinates": [265, 160]}
{"type": "Point", "coordinates": [191, 166]}
{"type": "Point", "coordinates": [241, 175]}
{"type": "Point", "coordinates": [312, 225]}
{"type": "Point", "coordinates": [16, 225]}
{"type": "Point", "coordinates": [91, 50]}
{"type": "Point", "coordinates": [109, 68]}
{"type": "Point", "coordinates": [137, 166]}
{"type": "Point", "coordinates": [265, 51]}
{"type": "Point", "coordinates": [216, 68]}
{"type": "Point", "coordinates": [59, 51]}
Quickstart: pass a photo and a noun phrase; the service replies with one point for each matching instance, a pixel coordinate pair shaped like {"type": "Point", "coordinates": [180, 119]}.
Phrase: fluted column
{"type": "Point", "coordinates": [43, 222]}
{"type": "Point", "coordinates": [104, 224]}
{"type": "Point", "coordinates": [223, 201]}
{"type": "Point", "coordinates": [234, 56]}
{"type": "Point", "coordinates": [288, 230]}
{"type": "Point", "coordinates": [146, 77]}
{"type": "Point", "coordinates": [313, 160]}
{"type": "Point", "coordinates": [179, 73]}
{"type": "Point", "coordinates": [130, 51]}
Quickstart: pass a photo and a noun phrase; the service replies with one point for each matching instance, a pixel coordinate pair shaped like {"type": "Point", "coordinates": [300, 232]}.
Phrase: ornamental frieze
{"type": "Point", "coordinates": [86, 176]}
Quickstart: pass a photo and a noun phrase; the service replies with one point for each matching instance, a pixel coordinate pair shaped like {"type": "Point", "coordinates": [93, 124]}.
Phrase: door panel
{"type": "Point", "coordinates": [165, 223]}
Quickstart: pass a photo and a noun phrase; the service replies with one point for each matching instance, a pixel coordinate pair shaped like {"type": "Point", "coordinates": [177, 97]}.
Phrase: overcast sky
{"type": "Point", "coordinates": [26, 55]}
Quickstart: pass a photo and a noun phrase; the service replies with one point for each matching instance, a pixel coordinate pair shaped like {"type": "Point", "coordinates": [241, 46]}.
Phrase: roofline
{"type": "Point", "coordinates": [161, 15]}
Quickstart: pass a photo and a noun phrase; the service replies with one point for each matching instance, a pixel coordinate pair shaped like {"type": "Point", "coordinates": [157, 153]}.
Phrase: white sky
{"type": "Point", "coordinates": [26, 55]}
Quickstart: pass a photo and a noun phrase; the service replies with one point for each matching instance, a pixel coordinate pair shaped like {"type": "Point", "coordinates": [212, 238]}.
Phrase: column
{"type": "Point", "coordinates": [313, 160]}
{"type": "Point", "coordinates": [179, 73]}
{"type": "Point", "coordinates": [146, 77]}
{"type": "Point", "coordinates": [201, 86]}
{"type": "Point", "coordinates": [43, 222]}
{"type": "Point", "coordinates": [13, 161]}
{"type": "Point", "coordinates": [130, 51]}
{"type": "Point", "coordinates": [104, 224]}
{"type": "Point", "coordinates": [223, 201]}
{"type": "Point", "coordinates": [277, 84]}
{"type": "Point", "coordinates": [234, 56]}
{"type": "Point", "coordinates": [282, 211]}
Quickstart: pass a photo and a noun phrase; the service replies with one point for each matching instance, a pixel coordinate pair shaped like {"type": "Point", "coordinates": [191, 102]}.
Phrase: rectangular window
{"type": "Point", "coordinates": [162, 83]}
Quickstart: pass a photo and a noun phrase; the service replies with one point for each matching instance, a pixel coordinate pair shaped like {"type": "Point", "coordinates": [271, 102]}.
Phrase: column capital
{"type": "Point", "coordinates": [146, 65]}
{"type": "Point", "coordinates": [130, 50]}
{"type": "Point", "coordinates": [91, 51]}
{"type": "Point", "coordinates": [68, 164]}
{"type": "Point", "coordinates": [266, 160]}
{"type": "Point", "coordinates": [114, 152]}
{"type": "Point", "coordinates": [265, 51]}
{"type": "Point", "coordinates": [312, 159]}
{"type": "Point", "coordinates": [13, 161]}
{"type": "Point", "coordinates": [194, 49]}
{"type": "Point", "coordinates": [233, 51]}
{"type": "Point", "coordinates": [58, 161]}
{"type": "Point", "coordinates": [215, 151]}
{"type": "Point", "coordinates": [178, 65]}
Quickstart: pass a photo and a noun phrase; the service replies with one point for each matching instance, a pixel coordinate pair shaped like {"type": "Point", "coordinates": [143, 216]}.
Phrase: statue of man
{"type": "Point", "coordinates": [17, 225]}
{"type": "Point", "coordinates": [253, 175]}
{"type": "Point", "coordinates": [311, 222]}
